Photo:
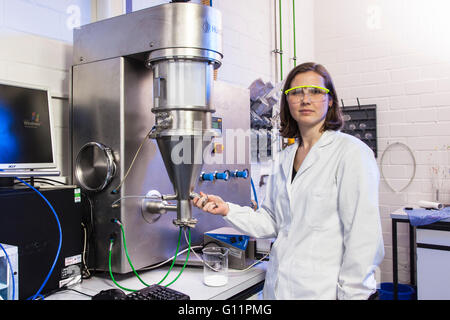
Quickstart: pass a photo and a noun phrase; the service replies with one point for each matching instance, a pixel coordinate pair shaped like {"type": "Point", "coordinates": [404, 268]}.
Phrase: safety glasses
{"type": "Point", "coordinates": [315, 93]}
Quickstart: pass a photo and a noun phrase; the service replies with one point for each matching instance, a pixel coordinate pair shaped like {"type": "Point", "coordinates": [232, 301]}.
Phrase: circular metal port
{"type": "Point", "coordinates": [94, 167]}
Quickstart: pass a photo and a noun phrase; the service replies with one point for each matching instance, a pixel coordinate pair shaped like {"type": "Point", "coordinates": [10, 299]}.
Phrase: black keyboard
{"type": "Point", "coordinates": [157, 292]}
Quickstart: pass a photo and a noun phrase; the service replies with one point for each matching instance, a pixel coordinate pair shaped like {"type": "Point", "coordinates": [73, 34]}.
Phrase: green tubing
{"type": "Point", "coordinates": [128, 257]}
{"type": "Point", "coordinates": [110, 271]}
{"type": "Point", "coordinates": [295, 44]}
{"type": "Point", "coordinates": [173, 262]}
{"type": "Point", "coordinates": [131, 264]}
{"type": "Point", "coordinates": [187, 258]}
{"type": "Point", "coordinates": [281, 43]}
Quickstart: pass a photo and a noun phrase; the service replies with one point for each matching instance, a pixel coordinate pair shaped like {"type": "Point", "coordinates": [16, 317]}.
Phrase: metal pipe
{"type": "Point", "coordinates": [157, 207]}
{"type": "Point", "coordinates": [295, 39]}
{"type": "Point", "coordinates": [276, 38]}
{"type": "Point", "coordinates": [169, 197]}
{"type": "Point", "coordinates": [209, 3]}
{"type": "Point", "coordinates": [281, 41]}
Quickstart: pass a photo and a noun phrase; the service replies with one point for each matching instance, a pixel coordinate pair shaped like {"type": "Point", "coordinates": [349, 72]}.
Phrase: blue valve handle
{"type": "Point", "coordinates": [241, 174]}
{"type": "Point", "coordinates": [223, 175]}
{"type": "Point", "coordinates": [207, 176]}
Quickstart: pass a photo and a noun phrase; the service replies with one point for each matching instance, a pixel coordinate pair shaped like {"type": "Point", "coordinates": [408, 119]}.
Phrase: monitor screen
{"type": "Point", "coordinates": [25, 128]}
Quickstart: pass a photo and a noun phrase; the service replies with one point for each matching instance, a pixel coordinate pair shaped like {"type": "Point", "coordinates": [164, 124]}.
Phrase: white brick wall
{"type": "Point", "coordinates": [36, 49]}
{"type": "Point", "coordinates": [248, 41]}
{"type": "Point", "coordinates": [396, 56]}
{"type": "Point", "coordinates": [46, 18]}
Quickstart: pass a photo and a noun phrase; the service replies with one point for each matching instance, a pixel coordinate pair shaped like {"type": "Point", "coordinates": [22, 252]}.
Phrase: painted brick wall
{"type": "Point", "coordinates": [394, 53]}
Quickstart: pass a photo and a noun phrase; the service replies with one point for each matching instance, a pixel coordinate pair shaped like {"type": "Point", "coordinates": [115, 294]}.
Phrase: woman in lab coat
{"type": "Point", "coordinates": [321, 200]}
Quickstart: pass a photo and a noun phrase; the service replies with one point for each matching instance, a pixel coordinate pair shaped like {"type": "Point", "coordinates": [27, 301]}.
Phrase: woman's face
{"type": "Point", "coordinates": [309, 107]}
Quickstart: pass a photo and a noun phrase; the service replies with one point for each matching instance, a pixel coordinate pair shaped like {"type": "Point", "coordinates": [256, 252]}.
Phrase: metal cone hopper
{"type": "Point", "coordinates": [182, 157]}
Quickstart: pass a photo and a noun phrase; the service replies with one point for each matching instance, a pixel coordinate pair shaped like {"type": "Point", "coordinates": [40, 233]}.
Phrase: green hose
{"type": "Point", "coordinates": [128, 257]}
{"type": "Point", "coordinates": [187, 258]}
{"type": "Point", "coordinates": [110, 271]}
{"type": "Point", "coordinates": [173, 262]}
{"type": "Point", "coordinates": [132, 267]}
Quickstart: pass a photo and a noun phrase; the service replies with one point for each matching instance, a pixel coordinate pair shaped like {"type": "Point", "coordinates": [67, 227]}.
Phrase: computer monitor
{"type": "Point", "coordinates": [26, 128]}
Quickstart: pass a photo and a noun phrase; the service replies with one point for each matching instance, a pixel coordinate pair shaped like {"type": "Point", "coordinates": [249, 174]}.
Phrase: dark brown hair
{"type": "Point", "coordinates": [333, 119]}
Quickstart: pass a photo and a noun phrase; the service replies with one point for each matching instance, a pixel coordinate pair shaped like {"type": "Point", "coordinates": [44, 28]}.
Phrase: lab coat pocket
{"type": "Point", "coordinates": [321, 210]}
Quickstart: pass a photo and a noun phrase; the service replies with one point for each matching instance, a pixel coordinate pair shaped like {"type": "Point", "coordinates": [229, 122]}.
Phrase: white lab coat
{"type": "Point", "coordinates": [326, 222]}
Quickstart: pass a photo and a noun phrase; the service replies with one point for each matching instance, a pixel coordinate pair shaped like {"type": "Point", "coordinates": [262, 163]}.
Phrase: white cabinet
{"type": "Point", "coordinates": [433, 264]}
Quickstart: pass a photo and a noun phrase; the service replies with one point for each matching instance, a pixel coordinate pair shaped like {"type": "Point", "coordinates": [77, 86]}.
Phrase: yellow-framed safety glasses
{"type": "Point", "coordinates": [315, 93]}
{"type": "Point", "coordinates": [308, 86]}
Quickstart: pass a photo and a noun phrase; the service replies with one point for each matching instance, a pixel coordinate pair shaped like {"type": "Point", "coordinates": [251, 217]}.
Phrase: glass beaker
{"type": "Point", "coordinates": [215, 266]}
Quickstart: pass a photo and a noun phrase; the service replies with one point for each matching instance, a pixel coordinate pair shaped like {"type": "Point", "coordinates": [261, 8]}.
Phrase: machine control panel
{"type": "Point", "coordinates": [217, 125]}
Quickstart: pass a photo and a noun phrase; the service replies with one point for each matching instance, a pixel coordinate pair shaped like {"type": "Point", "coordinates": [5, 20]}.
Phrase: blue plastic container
{"type": "Point", "coordinates": [386, 291]}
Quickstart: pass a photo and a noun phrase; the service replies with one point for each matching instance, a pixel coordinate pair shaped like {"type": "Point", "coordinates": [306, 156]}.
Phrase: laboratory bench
{"type": "Point", "coordinates": [429, 256]}
{"type": "Point", "coordinates": [241, 284]}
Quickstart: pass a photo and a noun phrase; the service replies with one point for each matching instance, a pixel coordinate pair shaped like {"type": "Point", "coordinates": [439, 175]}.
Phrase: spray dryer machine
{"type": "Point", "coordinates": [150, 128]}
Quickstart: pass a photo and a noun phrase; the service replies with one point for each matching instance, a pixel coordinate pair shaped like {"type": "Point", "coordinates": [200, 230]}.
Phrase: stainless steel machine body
{"type": "Point", "coordinates": [149, 74]}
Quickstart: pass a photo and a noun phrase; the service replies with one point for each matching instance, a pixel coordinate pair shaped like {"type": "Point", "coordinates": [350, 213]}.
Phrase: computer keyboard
{"type": "Point", "coordinates": [157, 292]}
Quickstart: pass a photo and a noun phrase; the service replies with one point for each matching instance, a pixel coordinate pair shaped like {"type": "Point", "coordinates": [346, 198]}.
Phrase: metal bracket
{"type": "Point", "coordinates": [277, 51]}
{"type": "Point", "coordinates": [190, 223]}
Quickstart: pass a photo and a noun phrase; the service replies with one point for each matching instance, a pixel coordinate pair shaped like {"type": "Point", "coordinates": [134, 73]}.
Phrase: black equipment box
{"type": "Point", "coordinates": [26, 221]}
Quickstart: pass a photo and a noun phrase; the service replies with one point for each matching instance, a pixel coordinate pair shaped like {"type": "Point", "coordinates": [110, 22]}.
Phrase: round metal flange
{"type": "Point", "coordinates": [94, 166]}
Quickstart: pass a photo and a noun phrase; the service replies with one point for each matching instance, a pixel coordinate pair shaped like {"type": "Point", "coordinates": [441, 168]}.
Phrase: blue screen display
{"type": "Point", "coordinates": [25, 134]}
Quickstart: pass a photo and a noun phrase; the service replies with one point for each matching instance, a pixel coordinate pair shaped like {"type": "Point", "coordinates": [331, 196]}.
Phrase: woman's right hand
{"type": "Point", "coordinates": [212, 204]}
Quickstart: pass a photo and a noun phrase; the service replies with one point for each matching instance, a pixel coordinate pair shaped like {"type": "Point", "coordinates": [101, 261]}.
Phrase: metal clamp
{"type": "Point", "coordinates": [164, 121]}
{"type": "Point", "coordinates": [180, 223]}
